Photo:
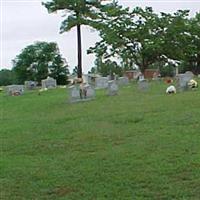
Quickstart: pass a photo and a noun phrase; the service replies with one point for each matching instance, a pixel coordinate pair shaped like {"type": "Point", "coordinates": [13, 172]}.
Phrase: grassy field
{"type": "Point", "coordinates": [133, 146]}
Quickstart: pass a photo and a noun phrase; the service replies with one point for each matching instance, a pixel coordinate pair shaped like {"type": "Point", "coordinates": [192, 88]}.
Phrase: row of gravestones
{"type": "Point", "coordinates": [103, 82]}
{"type": "Point", "coordinates": [100, 82]}
{"type": "Point", "coordinates": [182, 82]}
{"type": "Point", "coordinates": [87, 92]}
{"type": "Point", "coordinates": [16, 90]}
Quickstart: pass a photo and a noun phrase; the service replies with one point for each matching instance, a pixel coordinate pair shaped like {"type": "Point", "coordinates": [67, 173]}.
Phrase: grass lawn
{"type": "Point", "coordinates": [133, 146]}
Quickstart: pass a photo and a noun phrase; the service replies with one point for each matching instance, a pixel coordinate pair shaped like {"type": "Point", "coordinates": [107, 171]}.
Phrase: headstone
{"type": "Point", "coordinates": [74, 93]}
{"type": "Point", "coordinates": [122, 81]}
{"type": "Point", "coordinates": [101, 82]}
{"type": "Point", "coordinates": [143, 85]}
{"type": "Point", "coordinates": [49, 83]}
{"type": "Point", "coordinates": [15, 90]}
{"type": "Point", "coordinates": [77, 94]}
{"type": "Point", "coordinates": [183, 80]}
{"type": "Point", "coordinates": [112, 88]}
{"type": "Point", "coordinates": [90, 92]}
{"type": "Point", "coordinates": [30, 85]}
{"type": "Point", "coordinates": [141, 77]}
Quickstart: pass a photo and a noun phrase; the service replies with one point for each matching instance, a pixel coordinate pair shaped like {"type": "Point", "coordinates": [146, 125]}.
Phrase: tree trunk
{"type": "Point", "coordinates": [79, 72]}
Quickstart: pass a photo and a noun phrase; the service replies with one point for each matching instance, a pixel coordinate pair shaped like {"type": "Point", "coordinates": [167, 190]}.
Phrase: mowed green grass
{"type": "Point", "coordinates": [133, 146]}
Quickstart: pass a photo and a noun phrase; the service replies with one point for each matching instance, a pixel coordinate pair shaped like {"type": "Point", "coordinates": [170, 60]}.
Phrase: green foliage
{"type": "Point", "coordinates": [130, 146]}
{"type": "Point", "coordinates": [142, 37]}
{"type": "Point", "coordinates": [167, 71]}
{"type": "Point", "coordinates": [76, 13]}
{"type": "Point", "coordinates": [39, 60]}
{"type": "Point", "coordinates": [7, 77]}
{"type": "Point", "coordinates": [107, 68]}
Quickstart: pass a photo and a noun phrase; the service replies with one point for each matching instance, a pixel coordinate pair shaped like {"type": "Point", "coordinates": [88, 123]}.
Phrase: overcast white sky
{"type": "Point", "coordinates": [25, 21]}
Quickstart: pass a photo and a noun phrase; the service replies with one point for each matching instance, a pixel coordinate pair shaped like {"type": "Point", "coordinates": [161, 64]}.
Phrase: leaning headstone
{"type": "Point", "coordinates": [143, 85]}
{"type": "Point", "coordinates": [49, 83]}
{"type": "Point", "coordinates": [15, 90]}
{"type": "Point", "coordinates": [112, 88]}
{"type": "Point", "coordinates": [30, 85]}
{"type": "Point", "coordinates": [183, 80]}
{"type": "Point", "coordinates": [101, 82]}
{"type": "Point", "coordinates": [77, 94]}
{"type": "Point", "coordinates": [122, 81]}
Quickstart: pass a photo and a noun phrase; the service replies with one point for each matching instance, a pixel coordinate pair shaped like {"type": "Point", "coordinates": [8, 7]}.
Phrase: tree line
{"type": "Point", "coordinates": [138, 37]}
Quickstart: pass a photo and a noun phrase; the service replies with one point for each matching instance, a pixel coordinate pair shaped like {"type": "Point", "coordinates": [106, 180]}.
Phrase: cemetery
{"type": "Point", "coordinates": [130, 127]}
{"type": "Point", "coordinates": [118, 120]}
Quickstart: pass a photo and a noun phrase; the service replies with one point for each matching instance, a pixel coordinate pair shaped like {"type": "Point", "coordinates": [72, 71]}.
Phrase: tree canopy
{"type": "Point", "coordinates": [142, 37]}
{"type": "Point", "coordinates": [39, 60]}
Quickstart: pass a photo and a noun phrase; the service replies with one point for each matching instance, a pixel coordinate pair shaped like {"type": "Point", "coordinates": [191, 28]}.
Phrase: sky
{"type": "Point", "coordinates": [25, 21]}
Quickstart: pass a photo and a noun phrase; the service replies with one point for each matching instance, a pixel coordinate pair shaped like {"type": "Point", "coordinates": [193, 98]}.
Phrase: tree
{"type": "Point", "coordinates": [131, 36]}
{"type": "Point", "coordinates": [144, 38]}
{"type": "Point", "coordinates": [39, 60]}
{"type": "Point", "coordinates": [80, 12]}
